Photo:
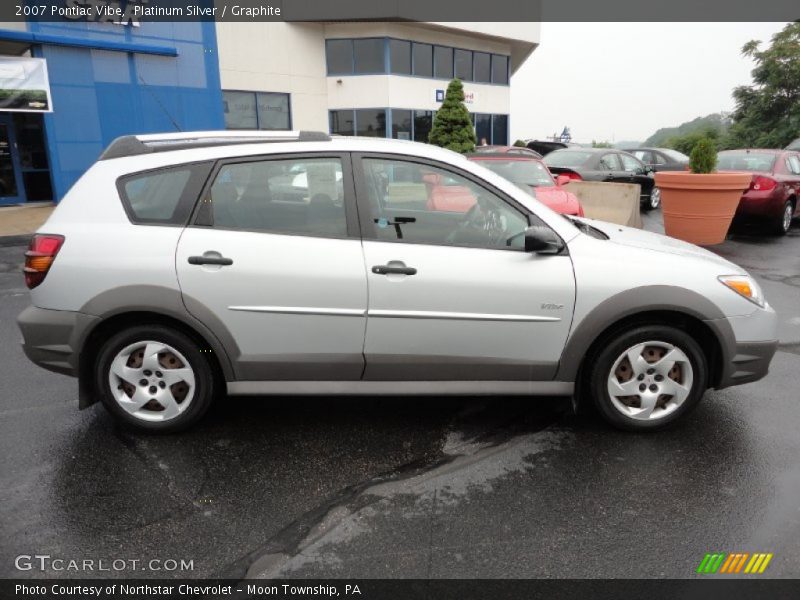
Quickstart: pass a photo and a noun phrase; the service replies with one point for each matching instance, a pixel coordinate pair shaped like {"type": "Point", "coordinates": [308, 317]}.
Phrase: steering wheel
{"type": "Point", "coordinates": [481, 219]}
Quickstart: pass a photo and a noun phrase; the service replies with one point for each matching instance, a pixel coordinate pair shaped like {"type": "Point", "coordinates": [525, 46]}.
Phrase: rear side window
{"type": "Point", "coordinates": [165, 196]}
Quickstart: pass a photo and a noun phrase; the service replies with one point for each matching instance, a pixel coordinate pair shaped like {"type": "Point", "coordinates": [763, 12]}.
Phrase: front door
{"type": "Point", "coordinates": [275, 256]}
{"type": "Point", "coordinates": [453, 296]}
{"type": "Point", "coordinates": [11, 188]}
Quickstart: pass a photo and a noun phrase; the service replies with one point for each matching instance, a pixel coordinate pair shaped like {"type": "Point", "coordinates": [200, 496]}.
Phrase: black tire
{"type": "Point", "coordinates": [615, 345]}
{"type": "Point", "coordinates": [647, 205]}
{"type": "Point", "coordinates": [780, 228]}
{"type": "Point", "coordinates": [203, 377]}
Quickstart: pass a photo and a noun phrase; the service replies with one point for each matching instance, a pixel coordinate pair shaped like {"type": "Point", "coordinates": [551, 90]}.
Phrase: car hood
{"type": "Point", "coordinates": [637, 238]}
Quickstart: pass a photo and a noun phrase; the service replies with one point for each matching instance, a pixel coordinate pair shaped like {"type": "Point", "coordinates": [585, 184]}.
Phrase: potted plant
{"type": "Point", "coordinates": [698, 206]}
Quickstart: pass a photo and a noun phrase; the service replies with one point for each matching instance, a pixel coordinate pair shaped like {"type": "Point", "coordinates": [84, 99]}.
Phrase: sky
{"type": "Point", "coordinates": [623, 81]}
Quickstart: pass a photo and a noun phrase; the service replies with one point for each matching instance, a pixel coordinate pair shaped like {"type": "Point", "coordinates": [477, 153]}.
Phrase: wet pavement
{"type": "Point", "coordinates": [407, 487]}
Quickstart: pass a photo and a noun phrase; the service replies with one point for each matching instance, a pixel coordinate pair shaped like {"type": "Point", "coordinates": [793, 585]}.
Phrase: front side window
{"type": "Point", "coordinates": [423, 204]}
{"type": "Point", "coordinates": [301, 196]}
{"type": "Point", "coordinates": [609, 162]}
{"type": "Point", "coordinates": [794, 164]}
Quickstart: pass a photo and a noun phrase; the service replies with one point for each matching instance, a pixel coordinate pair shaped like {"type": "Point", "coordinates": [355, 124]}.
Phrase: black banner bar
{"type": "Point", "coordinates": [141, 11]}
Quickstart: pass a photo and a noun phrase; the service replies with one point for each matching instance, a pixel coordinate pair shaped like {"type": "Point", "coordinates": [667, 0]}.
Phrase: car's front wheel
{"type": "Point", "coordinates": [154, 378]}
{"type": "Point", "coordinates": [647, 377]}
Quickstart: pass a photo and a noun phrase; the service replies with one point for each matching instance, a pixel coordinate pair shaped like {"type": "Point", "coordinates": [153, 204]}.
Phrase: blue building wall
{"type": "Point", "coordinates": [168, 82]}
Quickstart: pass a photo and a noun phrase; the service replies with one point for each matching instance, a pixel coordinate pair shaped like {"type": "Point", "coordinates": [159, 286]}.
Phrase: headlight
{"type": "Point", "coordinates": [745, 286]}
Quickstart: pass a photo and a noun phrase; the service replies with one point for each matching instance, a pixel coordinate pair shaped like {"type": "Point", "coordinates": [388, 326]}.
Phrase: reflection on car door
{"type": "Point", "coordinates": [281, 275]}
{"type": "Point", "coordinates": [448, 298]}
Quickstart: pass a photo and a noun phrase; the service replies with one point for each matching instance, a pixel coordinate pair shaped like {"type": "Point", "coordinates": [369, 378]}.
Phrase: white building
{"type": "Point", "coordinates": [372, 79]}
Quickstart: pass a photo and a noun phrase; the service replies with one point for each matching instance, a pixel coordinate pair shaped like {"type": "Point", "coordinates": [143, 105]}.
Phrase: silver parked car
{"type": "Point", "coordinates": [178, 269]}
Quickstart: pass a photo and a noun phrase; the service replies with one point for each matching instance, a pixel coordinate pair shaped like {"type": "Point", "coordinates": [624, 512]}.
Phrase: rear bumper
{"type": "Point", "coordinates": [50, 337]}
{"type": "Point", "coordinates": [756, 204]}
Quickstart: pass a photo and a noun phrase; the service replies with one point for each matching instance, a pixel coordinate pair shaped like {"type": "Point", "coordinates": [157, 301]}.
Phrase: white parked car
{"type": "Point", "coordinates": [172, 273]}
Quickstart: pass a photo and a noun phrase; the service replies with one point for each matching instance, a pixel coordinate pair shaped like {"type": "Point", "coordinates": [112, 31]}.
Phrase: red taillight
{"type": "Point", "coordinates": [763, 184]}
{"type": "Point", "coordinates": [573, 176]}
{"type": "Point", "coordinates": [40, 256]}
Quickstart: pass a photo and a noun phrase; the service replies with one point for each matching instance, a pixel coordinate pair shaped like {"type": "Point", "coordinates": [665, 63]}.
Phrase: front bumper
{"type": "Point", "coordinates": [51, 338]}
{"type": "Point", "coordinates": [750, 362]}
{"type": "Point", "coordinates": [748, 344]}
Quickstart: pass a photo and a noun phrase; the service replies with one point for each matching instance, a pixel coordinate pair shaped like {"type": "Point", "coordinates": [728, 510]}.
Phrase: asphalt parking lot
{"type": "Point", "coordinates": [406, 487]}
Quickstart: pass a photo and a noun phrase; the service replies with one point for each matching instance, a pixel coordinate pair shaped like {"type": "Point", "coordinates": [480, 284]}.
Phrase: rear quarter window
{"type": "Point", "coordinates": [165, 196]}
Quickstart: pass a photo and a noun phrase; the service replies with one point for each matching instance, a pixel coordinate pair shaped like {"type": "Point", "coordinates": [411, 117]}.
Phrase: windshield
{"type": "Point", "coordinates": [745, 161]}
{"type": "Point", "coordinates": [567, 158]}
{"type": "Point", "coordinates": [521, 172]}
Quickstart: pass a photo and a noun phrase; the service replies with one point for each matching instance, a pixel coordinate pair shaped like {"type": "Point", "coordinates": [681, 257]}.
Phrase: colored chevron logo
{"type": "Point", "coordinates": [734, 563]}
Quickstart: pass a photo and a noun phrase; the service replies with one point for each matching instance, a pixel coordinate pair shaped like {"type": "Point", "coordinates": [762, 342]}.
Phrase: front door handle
{"type": "Point", "coordinates": [393, 270]}
{"type": "Point", "coordinates": [210, 260]}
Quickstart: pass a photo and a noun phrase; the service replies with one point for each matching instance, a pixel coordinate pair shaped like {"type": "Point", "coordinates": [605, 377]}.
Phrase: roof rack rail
{"type": "Point", "coordinates": [134, 145]}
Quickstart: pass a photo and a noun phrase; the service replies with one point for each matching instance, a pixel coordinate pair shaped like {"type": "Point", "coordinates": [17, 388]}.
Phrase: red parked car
{"type": "Point", "coordinates": [529, 173]}
{"type": "Point", "coordinates": [775, 188]}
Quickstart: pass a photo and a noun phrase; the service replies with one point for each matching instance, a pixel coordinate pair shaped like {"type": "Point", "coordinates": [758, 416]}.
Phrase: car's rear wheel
{"type": "Point", "coordinates": [154, 378]}
{"type": "Point", "coordinates": [784, 223]}
{"type": "Point", "coordinates": [646, 378]}
{"type": "Point", "coordinates": [654, 201]}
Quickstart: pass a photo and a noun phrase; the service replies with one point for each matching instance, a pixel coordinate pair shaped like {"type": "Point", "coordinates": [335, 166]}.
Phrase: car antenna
{"type": "Point", "coordinates": [160, 104]}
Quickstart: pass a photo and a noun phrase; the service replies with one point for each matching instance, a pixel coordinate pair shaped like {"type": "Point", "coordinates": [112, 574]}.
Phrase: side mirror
{"type": "Point", "coordinates": [562, 180]}
{"type": "Point", "coordinates": [542, 240]}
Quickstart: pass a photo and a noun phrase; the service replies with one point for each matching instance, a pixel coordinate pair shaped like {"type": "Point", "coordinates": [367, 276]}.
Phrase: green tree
{"type": "Point", "coordinates": [686, 143]}
{"type": "Point", "coordinates": [703, 157]}
{"type": "Point", "coordinates": [452, 127]}
{"type": "Point", "coordinates": [602, 144]}
{"type": "Point", "coordinates": [767, 113]}
{"type": "Point", "coordinates": [520, 144]}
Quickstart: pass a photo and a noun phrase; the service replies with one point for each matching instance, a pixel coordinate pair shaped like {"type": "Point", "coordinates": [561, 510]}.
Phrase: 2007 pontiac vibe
{"type": "Point", "coordinates": [182, 266]}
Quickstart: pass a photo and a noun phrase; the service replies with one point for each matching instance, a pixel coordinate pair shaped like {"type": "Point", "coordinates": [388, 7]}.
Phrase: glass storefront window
{"type": "Point", "coordinates": [369, 55]}
{"type": "Point", "coordinates": [401, 124]}
{"type": "Point", "coordinates": [339, 55]}
{"type": "Point", "coordinates": [499, 69]}
{"type": "Point", "coordinates": [400, 55]}
{"type": "Point", "coordinates": [423, 121]}
{"type": "Point", "coordinates": [371, 122]}
{"type": "Point", "coordinates": [500, 130]}
{"type": "Point", "coordinates": [342, 122]}
{"type": "Point", "coordinates": [257, 110]}
{"type": "Point", "coordinates": [463, 65]}
{"type": "Point", "coordinates": [423, 60]}
{"type": "Point", "coordinates": [483, 128]}
{"type": "Point", "coordinates": [443, 62]}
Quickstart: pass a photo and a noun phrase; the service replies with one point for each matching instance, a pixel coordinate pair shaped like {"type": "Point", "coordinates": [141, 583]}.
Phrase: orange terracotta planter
{"type": "Point", "coordinates": [699, 208]}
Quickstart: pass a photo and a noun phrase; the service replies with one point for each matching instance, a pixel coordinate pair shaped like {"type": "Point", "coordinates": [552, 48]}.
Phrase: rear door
{"type": "Point", "coordinates": [637, 173]}
{"type": "Point", "coordinates": [453, 296]}
{"type": "Point", "coordinates": [274, 260]}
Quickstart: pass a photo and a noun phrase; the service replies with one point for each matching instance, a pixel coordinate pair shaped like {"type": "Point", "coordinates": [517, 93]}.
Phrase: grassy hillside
{"type": "Point", "coordinates": [716, 121]}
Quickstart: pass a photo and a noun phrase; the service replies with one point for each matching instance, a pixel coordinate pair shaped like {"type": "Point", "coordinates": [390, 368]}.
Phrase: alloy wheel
{"type": "Point", "coordinates": [655, 198]}
{"type": "Point", "coordinates": [788, 212]}
{"type": "Point", "coordinates": [152, 381]}
{"type": "Point", "coordinates": [650, 380]}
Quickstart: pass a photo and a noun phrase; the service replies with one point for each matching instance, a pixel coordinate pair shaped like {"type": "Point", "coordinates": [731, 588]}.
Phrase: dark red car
{"type": "Point", "coordinates": [529, 173]}
{"type": "Point", "coordinates": [775, 188]}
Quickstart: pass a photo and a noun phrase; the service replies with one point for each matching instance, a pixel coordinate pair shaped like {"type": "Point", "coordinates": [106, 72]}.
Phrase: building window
{"type": "Point", "coordinates": [401, 124]}
{"type": "Point", "coordinates": [369, 55]}
{"type": "Point", "coordinates": [443, 62]}
{"type": "Point", "coordinates": [423, 122]}
{"type": "Point", "coordinates": [483, 71]}
{"type": "Point", "coordinates": [343, 122]}
{"type": "Point", "coordinates": [483, 128]}
{"type": "Point", "coordinates": [499, 69]}
{"type": "Point", "coordinates": [339, 55]}
{"type": "Point", "coordinates": [400, 56]}
{"type": "Point", "coordinates": [257, 110]}
{"type": "Point", "coordinates": [500, 130]}
{"type": "Point", "coordinates": [371, 122]}
{"type": "Point", "coordinates": [463, 65]}
{"type": "Point", "coordinates": [423, 60]}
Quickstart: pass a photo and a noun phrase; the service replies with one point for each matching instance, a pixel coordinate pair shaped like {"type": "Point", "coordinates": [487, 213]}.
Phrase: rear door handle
{"type": "Point", "coordinates": [210, 260]}
{"type": "Point", "coordinates": [393, 270]}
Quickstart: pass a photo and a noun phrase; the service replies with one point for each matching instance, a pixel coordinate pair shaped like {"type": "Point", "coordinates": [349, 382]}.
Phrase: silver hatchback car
{"type": "Point", "coordinates": [184, 266]}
